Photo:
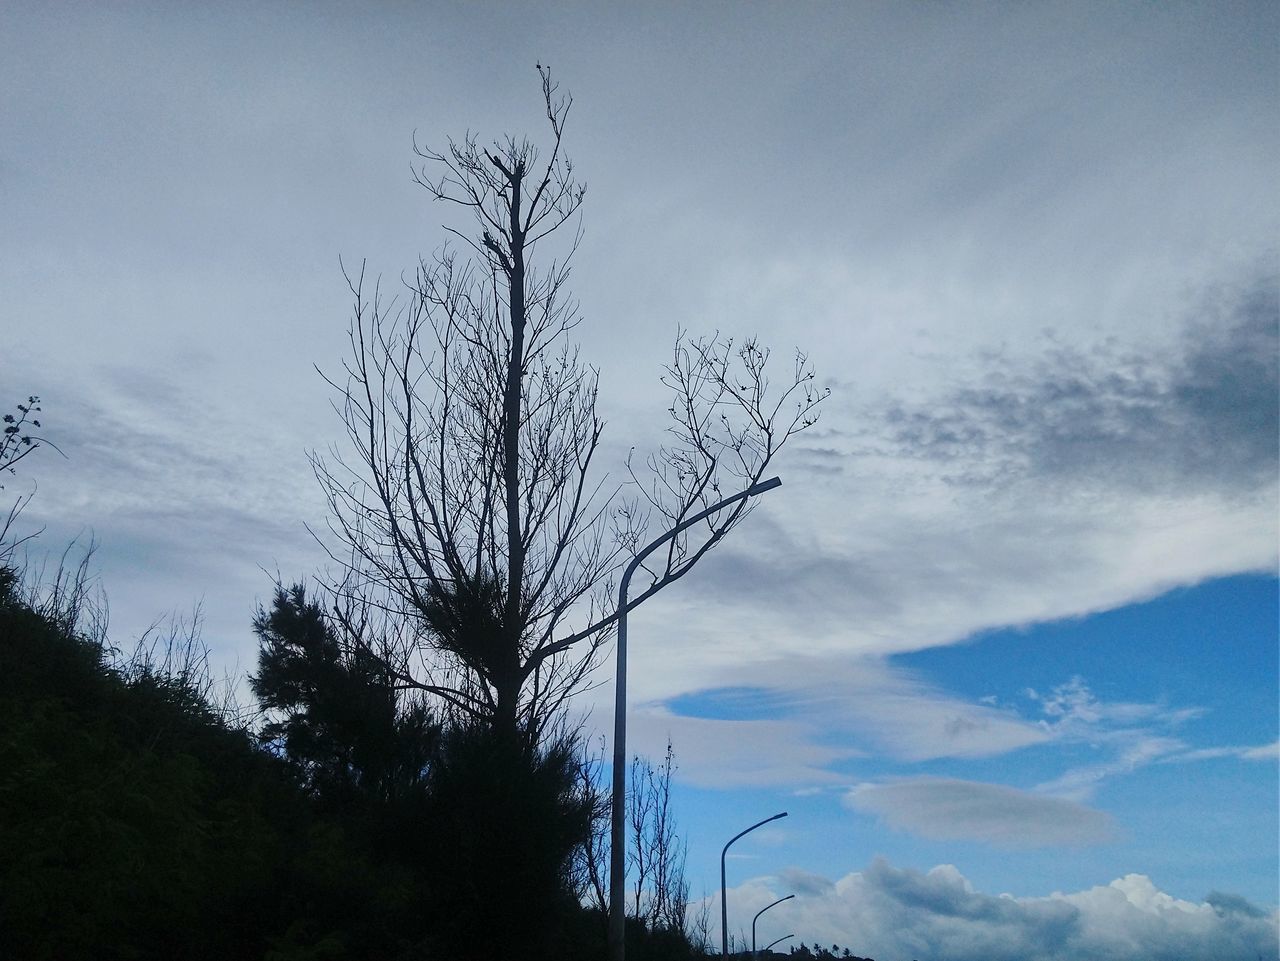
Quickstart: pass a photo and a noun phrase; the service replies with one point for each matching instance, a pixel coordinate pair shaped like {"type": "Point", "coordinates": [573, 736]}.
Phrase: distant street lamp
{"type": "Point", "coordinates": [783, 938]}
{"type": "Point", "coordinates": [617, 849]}
{"type": "Point", "coordinates": [724, 904]}
{"type": "Point", "coordinates": [760, 912]}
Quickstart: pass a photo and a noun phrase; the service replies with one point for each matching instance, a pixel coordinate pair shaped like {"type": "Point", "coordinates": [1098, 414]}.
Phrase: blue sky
{"type": "Point", "coordinates": [1169, 753]}
{"type": "Point", "coordinates": [1032, 251]}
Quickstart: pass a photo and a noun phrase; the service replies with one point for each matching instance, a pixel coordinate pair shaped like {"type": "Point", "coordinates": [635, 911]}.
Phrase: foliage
{"type": "Point", "coordinates": [334, 710]}
{"type": "Point", "coordinates": [505, 817]}
{"type": "Point", "coordinates": [138, 821]}
{"type": "Point", "coordinates": [821, 953]}
{"type": "Point", "coordinates": [15, 441]}
{"type": "Point", "coordinates": [115, 826]}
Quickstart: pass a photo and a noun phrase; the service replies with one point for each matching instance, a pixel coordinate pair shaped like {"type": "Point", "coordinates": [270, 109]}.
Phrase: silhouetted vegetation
{"type": "Point", "coordinates": [139, 821]}
{"type": "Point", "coordinates": [132, 819]}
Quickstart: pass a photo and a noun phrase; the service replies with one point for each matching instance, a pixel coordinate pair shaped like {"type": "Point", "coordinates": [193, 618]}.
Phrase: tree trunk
{"type": "Point", "coordinates": [509, 688]}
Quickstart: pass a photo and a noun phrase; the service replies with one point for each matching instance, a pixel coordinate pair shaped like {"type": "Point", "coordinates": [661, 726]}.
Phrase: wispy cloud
{"type": "Point", "coordinates": [1128, 735]}
{"type": "Point", "coordinates": [727, 754]}
{"type": "Point", "coordinates": [865, 706]}
{"type": "Point", "coordinates": [1260, 752]}
{"type": "Point", "coordinates": [871, 709]}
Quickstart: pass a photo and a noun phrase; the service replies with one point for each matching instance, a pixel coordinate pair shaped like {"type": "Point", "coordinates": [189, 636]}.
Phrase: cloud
{"type": "Point", "coordinates": [805, 882]}
{"type": "Point", "coordinates": [804, 718]}
{"type": "Point", "coordinates": [1116, 417]}
{"type": "Point", "coordinates": [1134, 750]}
{"type": "Point", "coordinates": [727, 754]}
{"type": "Point", "coordinates": [949, 809]}
{"type": "Point", "coordinates": [1132, 735]}
{"type": "Point", "coordinates": [183, 499]}
{"type": "Point", "coordinates": [1263, 752]}
{"type": "Point", "coordinates": [1073, 704]}
{"type": "Point", "coordinates": [864, 704]}
{"type": "Point", "coordinates": [889, 912]}
{"type": "Point", "coordinates": [1260, 752]}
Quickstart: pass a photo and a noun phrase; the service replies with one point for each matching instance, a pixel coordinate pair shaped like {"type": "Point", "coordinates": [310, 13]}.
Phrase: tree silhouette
{"type": "Point", "coordinates": [333, 708]}
{"type": "Point", "coordinates": [477, 539]}
{"type": "Point", "coordinates": [499, 833]}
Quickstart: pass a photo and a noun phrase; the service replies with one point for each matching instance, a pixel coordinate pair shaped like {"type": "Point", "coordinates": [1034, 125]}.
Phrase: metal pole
{"type": "Point", "coordinates": [756, 918]}
{"type": "Point", "coordinates": [617, 839]}
{"type": "Point", "coordinates": [724, 905]}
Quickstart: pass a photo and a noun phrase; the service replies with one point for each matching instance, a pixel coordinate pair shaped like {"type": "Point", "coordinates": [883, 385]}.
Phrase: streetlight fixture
{"type": "Point", "coordinates": [757, 917]}
{"type": "Point", "coordinates": [617, 849]}
{"type": "Point", "coordinates": [724, 904]}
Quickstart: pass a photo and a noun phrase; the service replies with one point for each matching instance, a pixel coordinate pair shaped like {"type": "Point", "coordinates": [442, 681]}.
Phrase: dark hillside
{"type": "Point", "coordinates": [135, 823]}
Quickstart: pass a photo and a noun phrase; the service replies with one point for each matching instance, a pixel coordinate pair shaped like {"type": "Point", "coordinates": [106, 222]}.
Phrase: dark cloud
{"type": "Point", "coordinates": [1226, 904]}
{"type": "Point", "coordinates": [805, 882]}
{"type": "Point", "coordinates": [1036, 928]}
{"type": "Point", "coordinates": [1206, 416]}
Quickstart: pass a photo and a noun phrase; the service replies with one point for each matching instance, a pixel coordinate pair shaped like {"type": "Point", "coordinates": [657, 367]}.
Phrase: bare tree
{"type": "Point", "coordinates": [656, 853]}
{"type": "Point", "coordinates": [698, 928]}
{"type": "Point", "coordinates": [467, 508]}
{"type": "Point", "coordinates": [660, 891]}
{"type": "Point", "coordinates": [591, 859]}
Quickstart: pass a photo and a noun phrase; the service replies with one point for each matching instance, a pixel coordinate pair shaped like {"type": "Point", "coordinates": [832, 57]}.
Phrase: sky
{"type": "Point", "coordinates": [1004, 644]}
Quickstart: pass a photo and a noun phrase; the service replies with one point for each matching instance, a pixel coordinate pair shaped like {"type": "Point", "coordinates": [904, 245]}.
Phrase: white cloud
{"type": "Point", "coordinates": [1260, 752]}
{"type": "Point", "coordinates": [946, 808]}
{"type": "Point", "coordinates": [1263, 752]}
{"type": "Point", "coordinates": [821, 712]}
{"type": "Point", "coordinates": [1130, 736]}
{"type": "Point", "coordinates": [895, 913]}
{"type": "Point", "coordinates": [890, 710]}
{"type": "Point", "coordinates": [1135, 750]}
{"type": "Point", "coordinates": [728, 754]}
{"type": "Point", "coordinates": [868, 708]}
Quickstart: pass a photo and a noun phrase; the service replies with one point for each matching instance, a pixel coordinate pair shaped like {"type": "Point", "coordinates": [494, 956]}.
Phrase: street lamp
{"type": "Point", "coordinates": [724, 904]}
{"type": "Point", "coordinates": [617, 849]}
{"type": "Point", "coordinates": [760, 912]}
{"type": "Point", "coordinates": [783, 938]}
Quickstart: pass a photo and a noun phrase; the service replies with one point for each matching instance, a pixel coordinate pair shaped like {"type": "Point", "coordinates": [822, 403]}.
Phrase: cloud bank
{"type": "Point", "coordinates": [892, 913]}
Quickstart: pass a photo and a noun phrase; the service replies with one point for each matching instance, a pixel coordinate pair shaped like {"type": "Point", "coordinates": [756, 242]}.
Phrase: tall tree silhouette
{"type": "Point", "coordinates": [467, 507]}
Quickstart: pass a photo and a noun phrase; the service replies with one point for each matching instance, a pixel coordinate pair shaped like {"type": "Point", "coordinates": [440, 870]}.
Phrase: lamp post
{"type": "Point", "coordinates": [783, 938]}
{"type": "Point", "coordinates": [757, 917]}
{"type": "Point", "coordinates": [617, 849]}
{"type": "Point", "coordinates": [724, 904]}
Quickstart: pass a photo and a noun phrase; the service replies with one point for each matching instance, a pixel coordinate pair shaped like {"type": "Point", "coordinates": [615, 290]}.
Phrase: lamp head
{"type": "Point", "coordinates": [764, 485]}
